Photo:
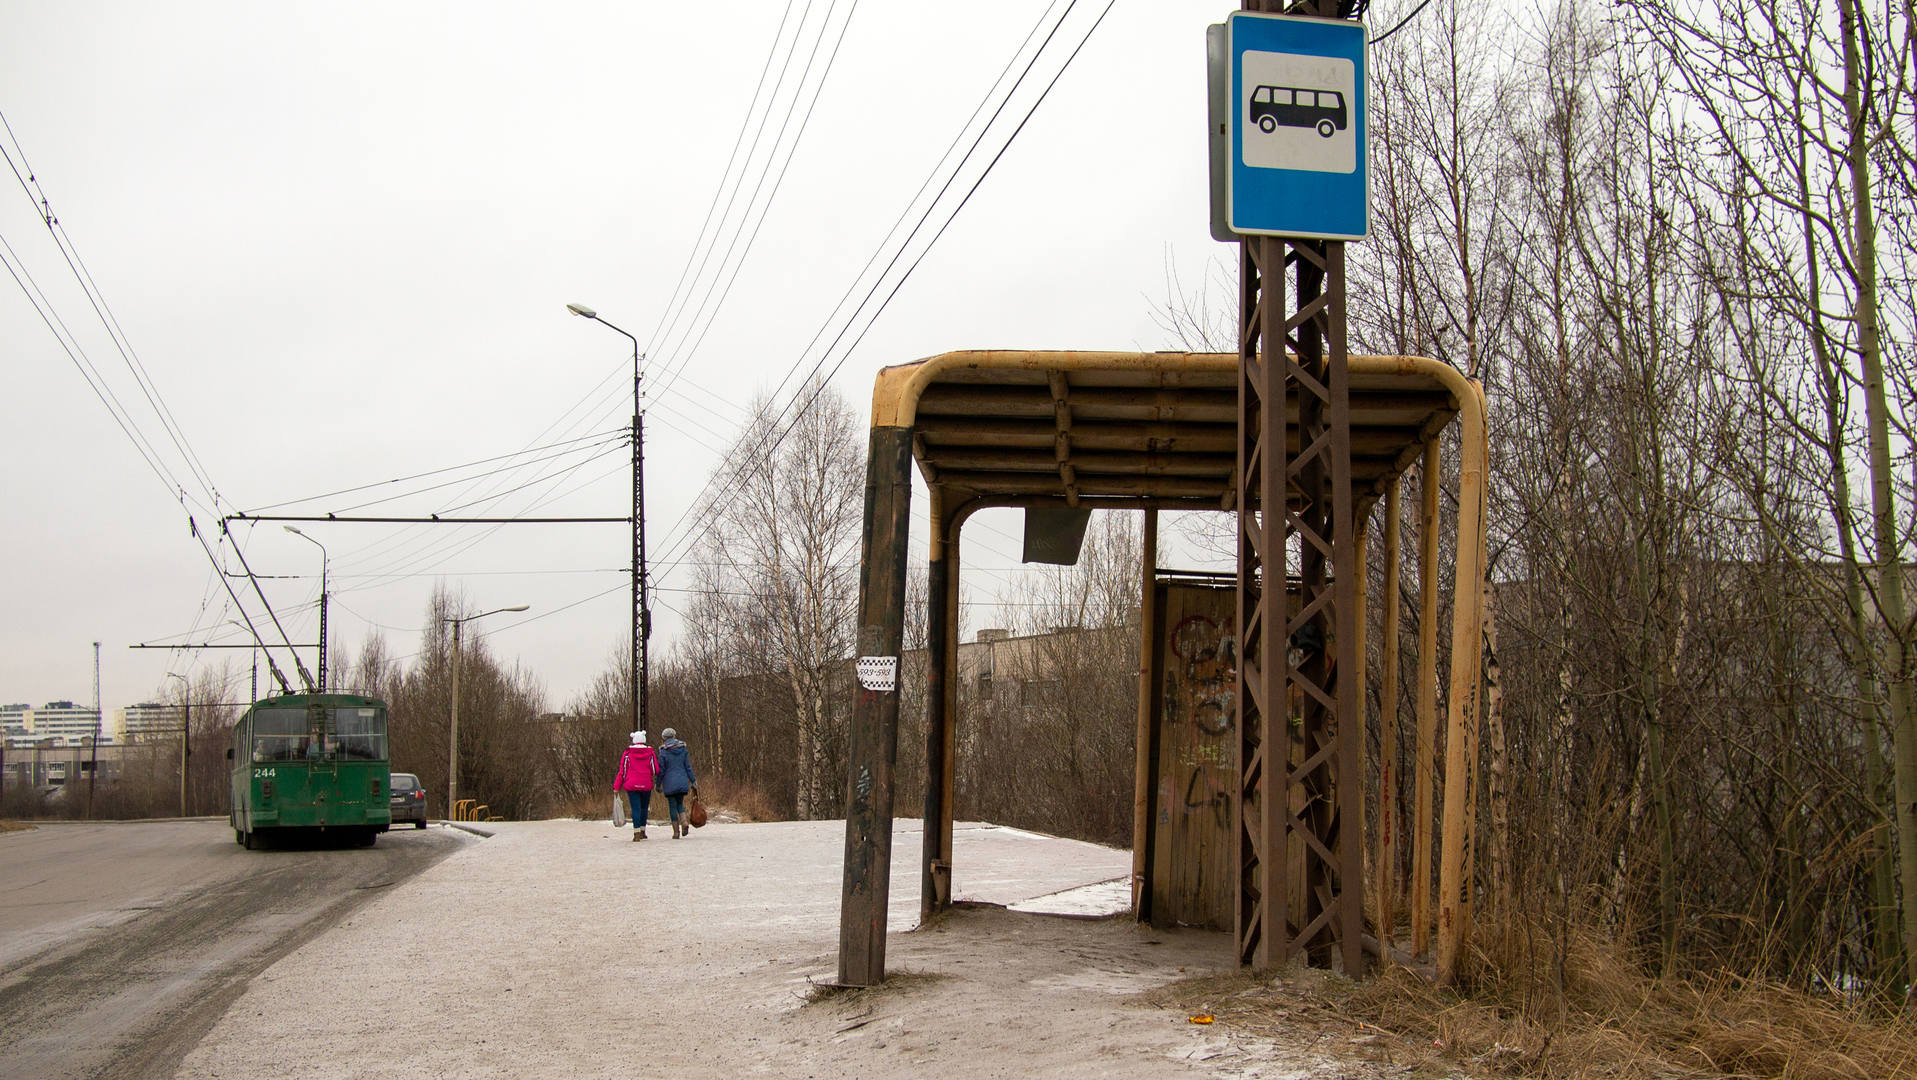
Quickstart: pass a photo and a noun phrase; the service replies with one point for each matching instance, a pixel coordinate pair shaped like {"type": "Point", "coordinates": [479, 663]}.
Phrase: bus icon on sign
{"type": "Point", "coordinates": [1273, 107]}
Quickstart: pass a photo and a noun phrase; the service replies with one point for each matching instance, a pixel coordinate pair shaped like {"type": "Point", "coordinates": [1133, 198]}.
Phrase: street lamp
{"type": "Point", "coordinates": [452, 751]}
{"type": "Point", "coordinates": [641, 614]}
{"type": "Point", "coordinates": [321, 676]}
{"type": "Point", "coordinates": [248, 631]}
{"type": "Point", "coordinates": [186, 731]}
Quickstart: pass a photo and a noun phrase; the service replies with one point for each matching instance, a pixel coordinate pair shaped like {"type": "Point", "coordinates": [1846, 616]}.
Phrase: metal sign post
{"type": "Point", "coordinates": [1293, 135]}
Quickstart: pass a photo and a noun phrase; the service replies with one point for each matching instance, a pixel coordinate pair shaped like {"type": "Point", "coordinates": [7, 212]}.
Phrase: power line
{"type": "Point", "coordinates": [671, 375]}
{"type": "Point", "coordinates": [690, 537]}
{"type": "Point", "coordinates": [675, 541]}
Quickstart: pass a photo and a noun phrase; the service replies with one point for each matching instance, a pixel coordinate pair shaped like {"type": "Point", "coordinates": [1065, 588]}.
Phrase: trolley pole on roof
{"type": "Point", "coordinates": [641, 613]}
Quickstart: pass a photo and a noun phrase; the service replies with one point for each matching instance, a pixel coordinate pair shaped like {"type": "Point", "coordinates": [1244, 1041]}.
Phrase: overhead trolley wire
{"type": "Point", "coordinates": [94, 383]}
{"type": "Point", "coordinates": [423, 552]}
{"type": "Point", "coordinates": [254, 511]}
{"type": "Point", "coordinates": [70, 252]}
{"type": "Point", "coordinates": [600, 391]}
{"type": "Point", "coordinates": [459, 546]}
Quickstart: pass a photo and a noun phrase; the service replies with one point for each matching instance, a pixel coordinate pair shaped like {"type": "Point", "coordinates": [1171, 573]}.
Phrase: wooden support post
{"type": "Point", "coordinates": [1145, 780]}
{"type": "Point", "coordinates": [941, 692]}
{"type": "Point", "coordinates": [1422, 776]}
{"type": "Point", "coordinates": [874, 737]}
{"type": "Point", "coordinates": [1463, 713]}
{"type": "Point", "coordinates": [1387, 852]}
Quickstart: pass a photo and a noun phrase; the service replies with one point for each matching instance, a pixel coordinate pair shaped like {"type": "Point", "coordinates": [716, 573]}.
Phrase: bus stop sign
{"type": "Point", "coordinates": [1294, 127]}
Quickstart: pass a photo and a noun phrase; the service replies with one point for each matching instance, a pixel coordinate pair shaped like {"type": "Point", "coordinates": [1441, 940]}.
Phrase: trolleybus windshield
{"type": "Point", "coordinates": [359, 734]}
{"type": "Point", "coordinates": [279, 734]}
{"type": "Point", "coordinates": [353, 733]}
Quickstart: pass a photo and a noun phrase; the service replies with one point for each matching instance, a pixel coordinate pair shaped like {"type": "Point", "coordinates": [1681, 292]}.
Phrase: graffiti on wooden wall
{"type": "Point", "coordinates": [1200, 684]}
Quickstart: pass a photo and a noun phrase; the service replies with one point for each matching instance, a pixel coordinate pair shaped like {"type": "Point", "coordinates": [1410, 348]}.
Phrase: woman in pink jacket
{"type": "Point", "coordinates": [638, 772]}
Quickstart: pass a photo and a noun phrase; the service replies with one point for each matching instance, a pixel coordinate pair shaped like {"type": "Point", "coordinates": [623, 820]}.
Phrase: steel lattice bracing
{"type": "Point", "coordinates": [1298, 657]}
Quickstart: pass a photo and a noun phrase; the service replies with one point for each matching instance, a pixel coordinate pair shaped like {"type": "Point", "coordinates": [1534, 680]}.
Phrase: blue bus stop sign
{"type": "Point", "coordinates": [1296, 127]}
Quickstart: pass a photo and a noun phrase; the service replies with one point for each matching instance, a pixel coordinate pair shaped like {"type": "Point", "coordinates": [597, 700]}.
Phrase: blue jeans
{"type": "Point", "coordinates": [676, 806]}
{"type": "Point", "coordinates": [641, 803]}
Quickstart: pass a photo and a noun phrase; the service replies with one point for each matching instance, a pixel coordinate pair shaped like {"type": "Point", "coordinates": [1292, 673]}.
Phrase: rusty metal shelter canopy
{"type": "Point", "coordinates": [1112, 430]}
{"type": "Point", "coordinates": [1130, 429]}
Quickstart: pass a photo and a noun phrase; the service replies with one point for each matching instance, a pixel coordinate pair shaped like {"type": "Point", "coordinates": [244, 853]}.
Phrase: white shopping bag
{"type": "Point", "coordinates": [618, 809]}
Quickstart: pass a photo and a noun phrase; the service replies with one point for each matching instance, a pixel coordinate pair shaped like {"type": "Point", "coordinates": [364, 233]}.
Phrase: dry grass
{"type": "Point", "coordinates": [10, 825]}
{"type": "Point", "coordinates": [741, 801]}
{"type": "Point", "coordinates": [1610, 1023]}
{"type": "Point", "coordinates": [738, 798]}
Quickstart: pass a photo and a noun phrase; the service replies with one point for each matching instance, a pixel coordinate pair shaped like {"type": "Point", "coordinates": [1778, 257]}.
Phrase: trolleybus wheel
{"type": "Point", "coordinates": [249, 840]}
{"type": "Point", "coordinates": [419, 824]}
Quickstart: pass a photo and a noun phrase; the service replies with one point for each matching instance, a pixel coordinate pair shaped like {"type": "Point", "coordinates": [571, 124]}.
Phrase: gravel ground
{"type": "Point", "coordinates": [563, 949]}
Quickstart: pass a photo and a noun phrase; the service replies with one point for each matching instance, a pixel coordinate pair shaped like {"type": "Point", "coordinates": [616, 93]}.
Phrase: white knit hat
{"type": "Point", "coordinates": [638, 738]}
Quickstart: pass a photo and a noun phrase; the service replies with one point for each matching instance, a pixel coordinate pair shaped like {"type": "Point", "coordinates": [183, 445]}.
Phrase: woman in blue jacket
{"type": "Point", "coordinates": [675, 780]}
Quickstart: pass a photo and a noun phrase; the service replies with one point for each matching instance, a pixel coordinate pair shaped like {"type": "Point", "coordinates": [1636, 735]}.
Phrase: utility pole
{"type": "Point", "coordinates": [186, 728]}
{"type": "Point", "coordinates": [452, 734]}
{"type": "Point", "coordinates": [452, 728]}
{"type": "Point", "coordinates": [93, 767]}
{"type": "Point", "coordinates": [641, 613]}
{"type": "Point", "coordinates": [186, 742]}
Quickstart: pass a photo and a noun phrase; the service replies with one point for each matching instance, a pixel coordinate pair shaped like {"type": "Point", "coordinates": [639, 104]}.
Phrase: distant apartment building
{"type": "Point", "coordinates": [147, 721]}
{"type": "Point", "coordinates": [13, 722]}
{"type": "Point", "coordinates": [62, 720]}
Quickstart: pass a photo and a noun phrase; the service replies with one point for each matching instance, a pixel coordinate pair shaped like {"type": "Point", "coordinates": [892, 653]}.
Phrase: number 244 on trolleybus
{"type": "Point", "coordinates": [308, 764]}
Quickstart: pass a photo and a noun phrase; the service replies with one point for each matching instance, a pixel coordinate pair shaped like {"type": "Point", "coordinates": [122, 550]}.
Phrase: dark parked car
{"type": "Point", "coordinates": [408, 799]}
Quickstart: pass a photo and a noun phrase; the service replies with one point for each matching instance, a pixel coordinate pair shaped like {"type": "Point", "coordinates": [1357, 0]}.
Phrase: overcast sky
{"type": "Point", "coordinates": [339, 240]}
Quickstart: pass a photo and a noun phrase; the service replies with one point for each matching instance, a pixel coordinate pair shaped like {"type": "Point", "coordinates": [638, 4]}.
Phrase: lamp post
{"type": "Point", "coordinates": [320, 677]}
{"type": "Point", "coordinates": [186, 731]}
{"type": "Point", "coordinates": [452, 751]}
{"type": "Point", "coordinates": [248, 631]}
{"type": "Point", "coordinates": [641, 612]}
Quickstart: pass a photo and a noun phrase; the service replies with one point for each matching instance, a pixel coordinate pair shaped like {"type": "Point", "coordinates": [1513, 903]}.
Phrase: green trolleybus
{"type": "Point", "coordinates": [308, 764]}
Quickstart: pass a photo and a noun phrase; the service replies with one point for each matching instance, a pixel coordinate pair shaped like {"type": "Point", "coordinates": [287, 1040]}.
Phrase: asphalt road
{"type": "Point", "coordinates": [121, 944]}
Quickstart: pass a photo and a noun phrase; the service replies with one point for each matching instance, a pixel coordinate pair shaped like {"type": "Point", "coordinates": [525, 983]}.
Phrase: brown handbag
{"type": "Point", "coordinates": [696, 811]}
